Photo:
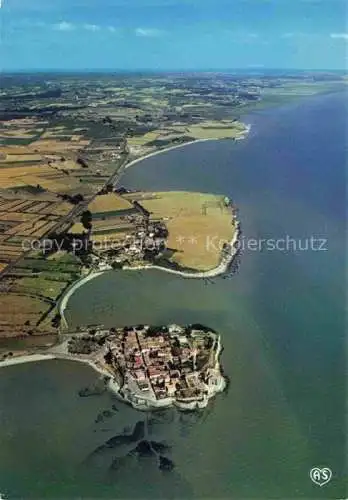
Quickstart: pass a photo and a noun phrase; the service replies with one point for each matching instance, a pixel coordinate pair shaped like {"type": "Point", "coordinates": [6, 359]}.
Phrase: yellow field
{"type": "Point", "coordinates": [17, 216]}
{"type": "Point", "coordinates": [41, 229]}
{"type": "Point", "coordinates": [67, 165]}
{"type": "Point", "coordinates": [59, 208]}
{"type": "Point", "coordinates": [198, 225]}
{"type": "Point", "coordinates": [26, 228]}
{"type": "Point", "coordinates": [10, 177]}
{"type": "Point", "coordinates": [54, 146]}
{"type": "Point", "coordinates": [143, 139]}
{"type": "Point", "coordinates": [16, 310]}
{"type": "Point", "coordinates": [14, 306]}
{"type": "Point", "coordinates": [6, 205]}
{"type": "Point", "coordinates": [216, 130]}
{"type": "Point", "coordinates": [17, 134]}
{"type": "Point", "coordinates": [16, 150]}
{"type": "Point", "coordinates": [33, 175]}
{"type": "Point", "coordinates": [209, 129]}
{"type": "Point", "coordinates": [110, 237]}
{"type": "Point", "coordinates": [108, 203]}
{"type": "Point", "coordinates": [22, 157]}
{"type": "Point", "coordinates": [77, 228]}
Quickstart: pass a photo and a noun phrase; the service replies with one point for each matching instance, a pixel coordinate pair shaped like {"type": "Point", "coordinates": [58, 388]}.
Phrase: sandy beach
{"type": "Point", "coordinates": [155, 153]}
{"type": "Point", "coordinates": [29, 358]}
{"type": "Point", "coordinates": [59, 355]}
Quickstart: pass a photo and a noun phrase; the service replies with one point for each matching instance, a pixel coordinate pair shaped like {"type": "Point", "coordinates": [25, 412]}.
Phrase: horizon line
{"type": "Point", "coordinates": [170, 70]}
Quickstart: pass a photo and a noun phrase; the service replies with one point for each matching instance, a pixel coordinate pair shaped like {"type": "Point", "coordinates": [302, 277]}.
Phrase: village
{"type": "Point", "coordinates": [137, 239]}
{"type": "Point", "coordinates": [155, 367]}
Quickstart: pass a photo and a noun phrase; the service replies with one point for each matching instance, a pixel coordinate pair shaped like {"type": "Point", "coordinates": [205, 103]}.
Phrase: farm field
{"type": "Point", "coordinates": [110, 220]}
{"type": "Point", "coordinates": [20, 313]}
{"type": "Point", "coordinates": [37, 285]}
{"type": "Point", "coordinates": [193, 221]}
{"type": "Point", "coordinates": [29, 293]}
{"type": "Point", "coordinates": [108, 203]}
{"type": "Point", "coordinates": [210, 129]}
{"type": "Point", "coordinates": [12, 158]}
{"type": "Point", "coordinates": [216, 130]}
{"type": "Point", "coordinates": [23, 220]}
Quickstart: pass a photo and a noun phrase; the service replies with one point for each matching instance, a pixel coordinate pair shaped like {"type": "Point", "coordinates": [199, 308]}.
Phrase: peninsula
{"type": "Point", "coordinates": [156, 366]}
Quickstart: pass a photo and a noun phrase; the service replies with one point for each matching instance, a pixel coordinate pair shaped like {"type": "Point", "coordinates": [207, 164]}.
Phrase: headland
{"type": "Point", "coordinates": [146, 366]}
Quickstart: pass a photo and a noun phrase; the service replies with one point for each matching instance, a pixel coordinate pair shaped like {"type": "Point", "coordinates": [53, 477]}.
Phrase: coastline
{"type": "Point", "coordinates": [242, 136]}
{"type": "Point", "coordinates": [212, 273]}
{"type": "Point", "coordinates": [142, 402]}
{"type": "Point", "coordinates": [37, 358]}
{"type": "Point", "coordinates": [71, 290]}
{"type": "Point", "coordinates": [164, 150]}
{"type": "Point", "coordinates": [27, 358]}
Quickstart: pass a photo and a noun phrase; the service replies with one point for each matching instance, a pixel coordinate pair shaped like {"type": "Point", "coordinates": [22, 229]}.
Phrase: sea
{"type": "Point", "coordinates": [283, 327]}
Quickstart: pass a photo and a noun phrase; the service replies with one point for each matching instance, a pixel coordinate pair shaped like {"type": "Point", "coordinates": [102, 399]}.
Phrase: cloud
{"type": "Point", "coordinates": [339, 36]}
{"type": "Point", "coordinates": [91, 27]}
{"type": "Point", "coordinates": [148, 32]}
{"type": "Point", "coordinates": [64, 26]}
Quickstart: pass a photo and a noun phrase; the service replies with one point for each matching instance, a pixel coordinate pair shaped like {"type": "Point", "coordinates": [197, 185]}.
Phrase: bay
{"type": "Point", "coordinates": [282, 323]}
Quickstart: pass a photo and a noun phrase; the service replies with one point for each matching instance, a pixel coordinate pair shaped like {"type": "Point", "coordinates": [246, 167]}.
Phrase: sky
{"type": "Point", "coordinates": [169, 35]}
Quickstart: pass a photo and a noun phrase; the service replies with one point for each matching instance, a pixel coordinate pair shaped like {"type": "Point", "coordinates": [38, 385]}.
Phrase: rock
{"type": "Point", "coordinates": [160, 447]}
{"type": "Point", "coordinates": [144, 449]}
{"type": "Point", "coordinates": [107, 413]}
{"type": "Point", "coordinates": [165, 464]}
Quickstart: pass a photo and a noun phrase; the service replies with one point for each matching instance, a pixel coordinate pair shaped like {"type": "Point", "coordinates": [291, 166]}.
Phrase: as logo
{"type": "Point", "coordinates": [320, 476]}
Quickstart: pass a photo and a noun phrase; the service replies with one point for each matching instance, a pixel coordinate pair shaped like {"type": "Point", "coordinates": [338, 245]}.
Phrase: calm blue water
{"type": "Point", "coordinates": [282, 321]}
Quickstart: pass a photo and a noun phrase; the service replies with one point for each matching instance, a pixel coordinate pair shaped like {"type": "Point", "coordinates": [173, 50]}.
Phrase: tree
{"type": "Point", "coordinates": [108, 358]}
{"type": "Point", "coordinates": [86, 219]}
